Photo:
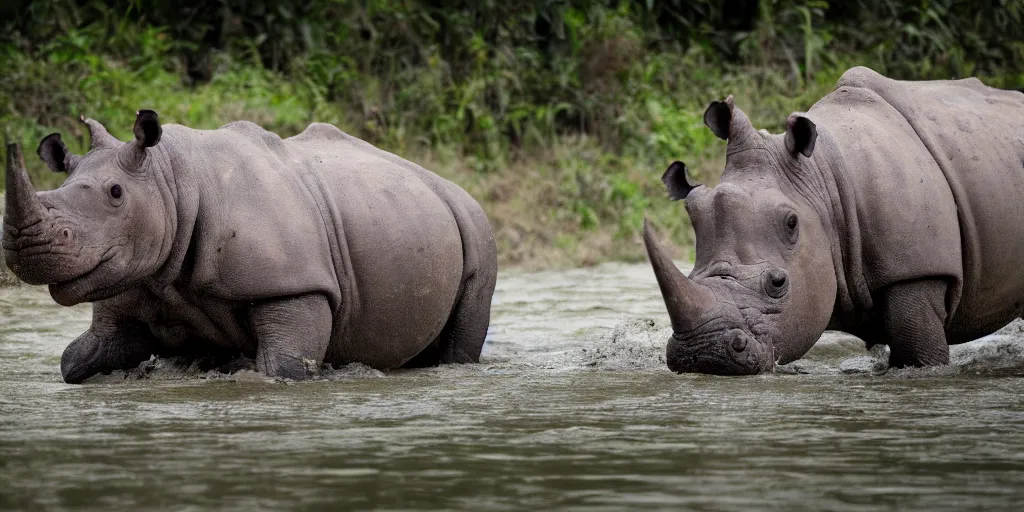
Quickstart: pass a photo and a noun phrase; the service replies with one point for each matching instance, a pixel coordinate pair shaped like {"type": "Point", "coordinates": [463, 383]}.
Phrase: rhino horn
{"type": "Point", "coordinates": [99, 134]}
{"type": "Point", "coordinates": [686, 300]}
{"type": "Point", "coordinates": [23, 207]}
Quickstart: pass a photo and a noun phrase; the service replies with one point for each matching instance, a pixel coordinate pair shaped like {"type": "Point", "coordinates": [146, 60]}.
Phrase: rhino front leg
{"type": "Point", "coordinates": [915, 316]}
{"type": "Point", "coordinates": [292, 335]}
{"type": "Point", "coordinates": [108, 345]}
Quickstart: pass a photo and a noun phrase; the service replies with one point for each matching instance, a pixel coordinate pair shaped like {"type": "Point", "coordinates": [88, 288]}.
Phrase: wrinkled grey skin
{"type": "Point", "coordinates": [315, 248]}
{"type": "Point", "coordinates": [891, 210]}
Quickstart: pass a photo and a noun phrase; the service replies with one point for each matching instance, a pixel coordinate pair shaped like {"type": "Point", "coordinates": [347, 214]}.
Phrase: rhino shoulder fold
{"type": "Point", "coordinates": [862, 76]}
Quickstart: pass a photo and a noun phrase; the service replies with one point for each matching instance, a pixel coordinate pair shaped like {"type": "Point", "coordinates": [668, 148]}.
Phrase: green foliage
{"type": "Point", "coordinates": [575, 105]}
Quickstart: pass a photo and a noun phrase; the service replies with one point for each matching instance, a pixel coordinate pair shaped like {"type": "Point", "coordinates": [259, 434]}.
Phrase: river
{"type": "Point", "coordinates": [571, 408]}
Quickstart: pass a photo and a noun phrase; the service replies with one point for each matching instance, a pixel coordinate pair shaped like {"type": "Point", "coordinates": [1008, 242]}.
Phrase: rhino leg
{"type": "Point", "coordinates": [292, 335]}
{"type": "Point", "coordinates": [108, 345]}
{"type": "Point", "coordinates": [462, 338]}
{"type": "Point", "coordinates": [915, 316]}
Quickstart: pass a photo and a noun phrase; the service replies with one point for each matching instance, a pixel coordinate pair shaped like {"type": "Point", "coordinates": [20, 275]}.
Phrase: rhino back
{"type": "Point", "coordinates": [973, 136]}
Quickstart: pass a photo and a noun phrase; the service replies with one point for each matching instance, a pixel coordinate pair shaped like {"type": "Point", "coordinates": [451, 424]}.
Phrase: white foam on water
{"type": "Point", "coordinates": [639, 344]}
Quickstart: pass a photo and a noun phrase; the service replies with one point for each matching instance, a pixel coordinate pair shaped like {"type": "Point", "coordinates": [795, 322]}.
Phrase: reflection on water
{"type": "Point", "coordinates": [572, 408]}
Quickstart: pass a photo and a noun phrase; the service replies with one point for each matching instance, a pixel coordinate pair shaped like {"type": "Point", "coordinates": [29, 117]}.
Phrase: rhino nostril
{"type": "Point", "coordinates": [739, 343]}
{"type": "Point", "coordinates": [66, 233]}
{"type": "Point", "coordinates": [775, 283]}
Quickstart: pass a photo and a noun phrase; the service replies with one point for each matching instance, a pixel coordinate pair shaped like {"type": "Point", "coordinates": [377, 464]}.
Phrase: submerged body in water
{"type": "Point", "coordinates": [572, 406]}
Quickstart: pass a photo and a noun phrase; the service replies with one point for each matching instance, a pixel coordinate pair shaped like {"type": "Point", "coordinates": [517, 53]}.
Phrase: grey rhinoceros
{"type": "Point", "coordinates": [891, 210]}
{"type": "Point", "coordinates": [315, 248]}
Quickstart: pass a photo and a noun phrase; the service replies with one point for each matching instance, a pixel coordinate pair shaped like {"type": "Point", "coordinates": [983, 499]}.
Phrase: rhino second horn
{"type": "Point", "coordinates": [99, 134]}
{"type": "Point", "coordinates": [23, 207]}
{"type": "Point", "coordinates": [685, 300]}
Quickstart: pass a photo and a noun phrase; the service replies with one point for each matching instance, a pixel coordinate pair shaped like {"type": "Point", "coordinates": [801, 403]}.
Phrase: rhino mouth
{"type": "Point", "coordinates": [729, 352]}
{"type": "Point", "coordinates": [82, 288]}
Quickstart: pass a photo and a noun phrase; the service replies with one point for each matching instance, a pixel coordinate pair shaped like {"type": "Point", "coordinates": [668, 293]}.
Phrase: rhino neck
{"type": "Point", "coordinates": [825, 182]}
{"type": "Point", "coordinates": [179, 185]}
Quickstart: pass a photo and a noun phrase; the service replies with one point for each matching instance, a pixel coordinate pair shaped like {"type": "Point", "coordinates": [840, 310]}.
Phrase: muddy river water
{"type": "Point", "coordinates": [572, 408]}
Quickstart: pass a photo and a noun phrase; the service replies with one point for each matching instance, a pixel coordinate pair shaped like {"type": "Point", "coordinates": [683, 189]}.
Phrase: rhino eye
{"type": "Point", "coordinates": [116, 195]}
{"type": "Point", "coordinates": [790, 230]}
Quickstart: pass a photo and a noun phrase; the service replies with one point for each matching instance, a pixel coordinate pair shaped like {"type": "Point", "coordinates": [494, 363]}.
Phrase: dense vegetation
{"type": "Point", "coordinates": [558, 115]}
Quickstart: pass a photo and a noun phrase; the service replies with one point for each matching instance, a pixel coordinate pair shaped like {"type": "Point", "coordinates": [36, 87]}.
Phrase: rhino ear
{"type": "Point", "coordinates": [677, 181]}
{"type": "Point", "coordinates": [718, 117]}
{"type": "Point", "coordinates": [53, 151]}
{"type": "Point", "coordinates": [801, 134]}
{"type": "Point", "coordinates": [147, 128]}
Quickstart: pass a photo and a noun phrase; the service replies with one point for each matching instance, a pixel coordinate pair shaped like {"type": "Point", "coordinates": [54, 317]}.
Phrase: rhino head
{"type": "Point", "coordinates": [763, 285]}
{"type": "Point", "coordinates": [104, 228]}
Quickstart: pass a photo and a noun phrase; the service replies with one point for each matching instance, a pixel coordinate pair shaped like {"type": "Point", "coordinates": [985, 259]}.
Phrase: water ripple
{"type": "Point", "coordinates": [572, 408]}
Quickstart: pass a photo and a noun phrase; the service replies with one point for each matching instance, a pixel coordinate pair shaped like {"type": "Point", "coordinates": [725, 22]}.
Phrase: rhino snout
{"type": "Point", "coordinates": [734, 352]}
{"type": "Point", "coordinates": [45, 254]}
